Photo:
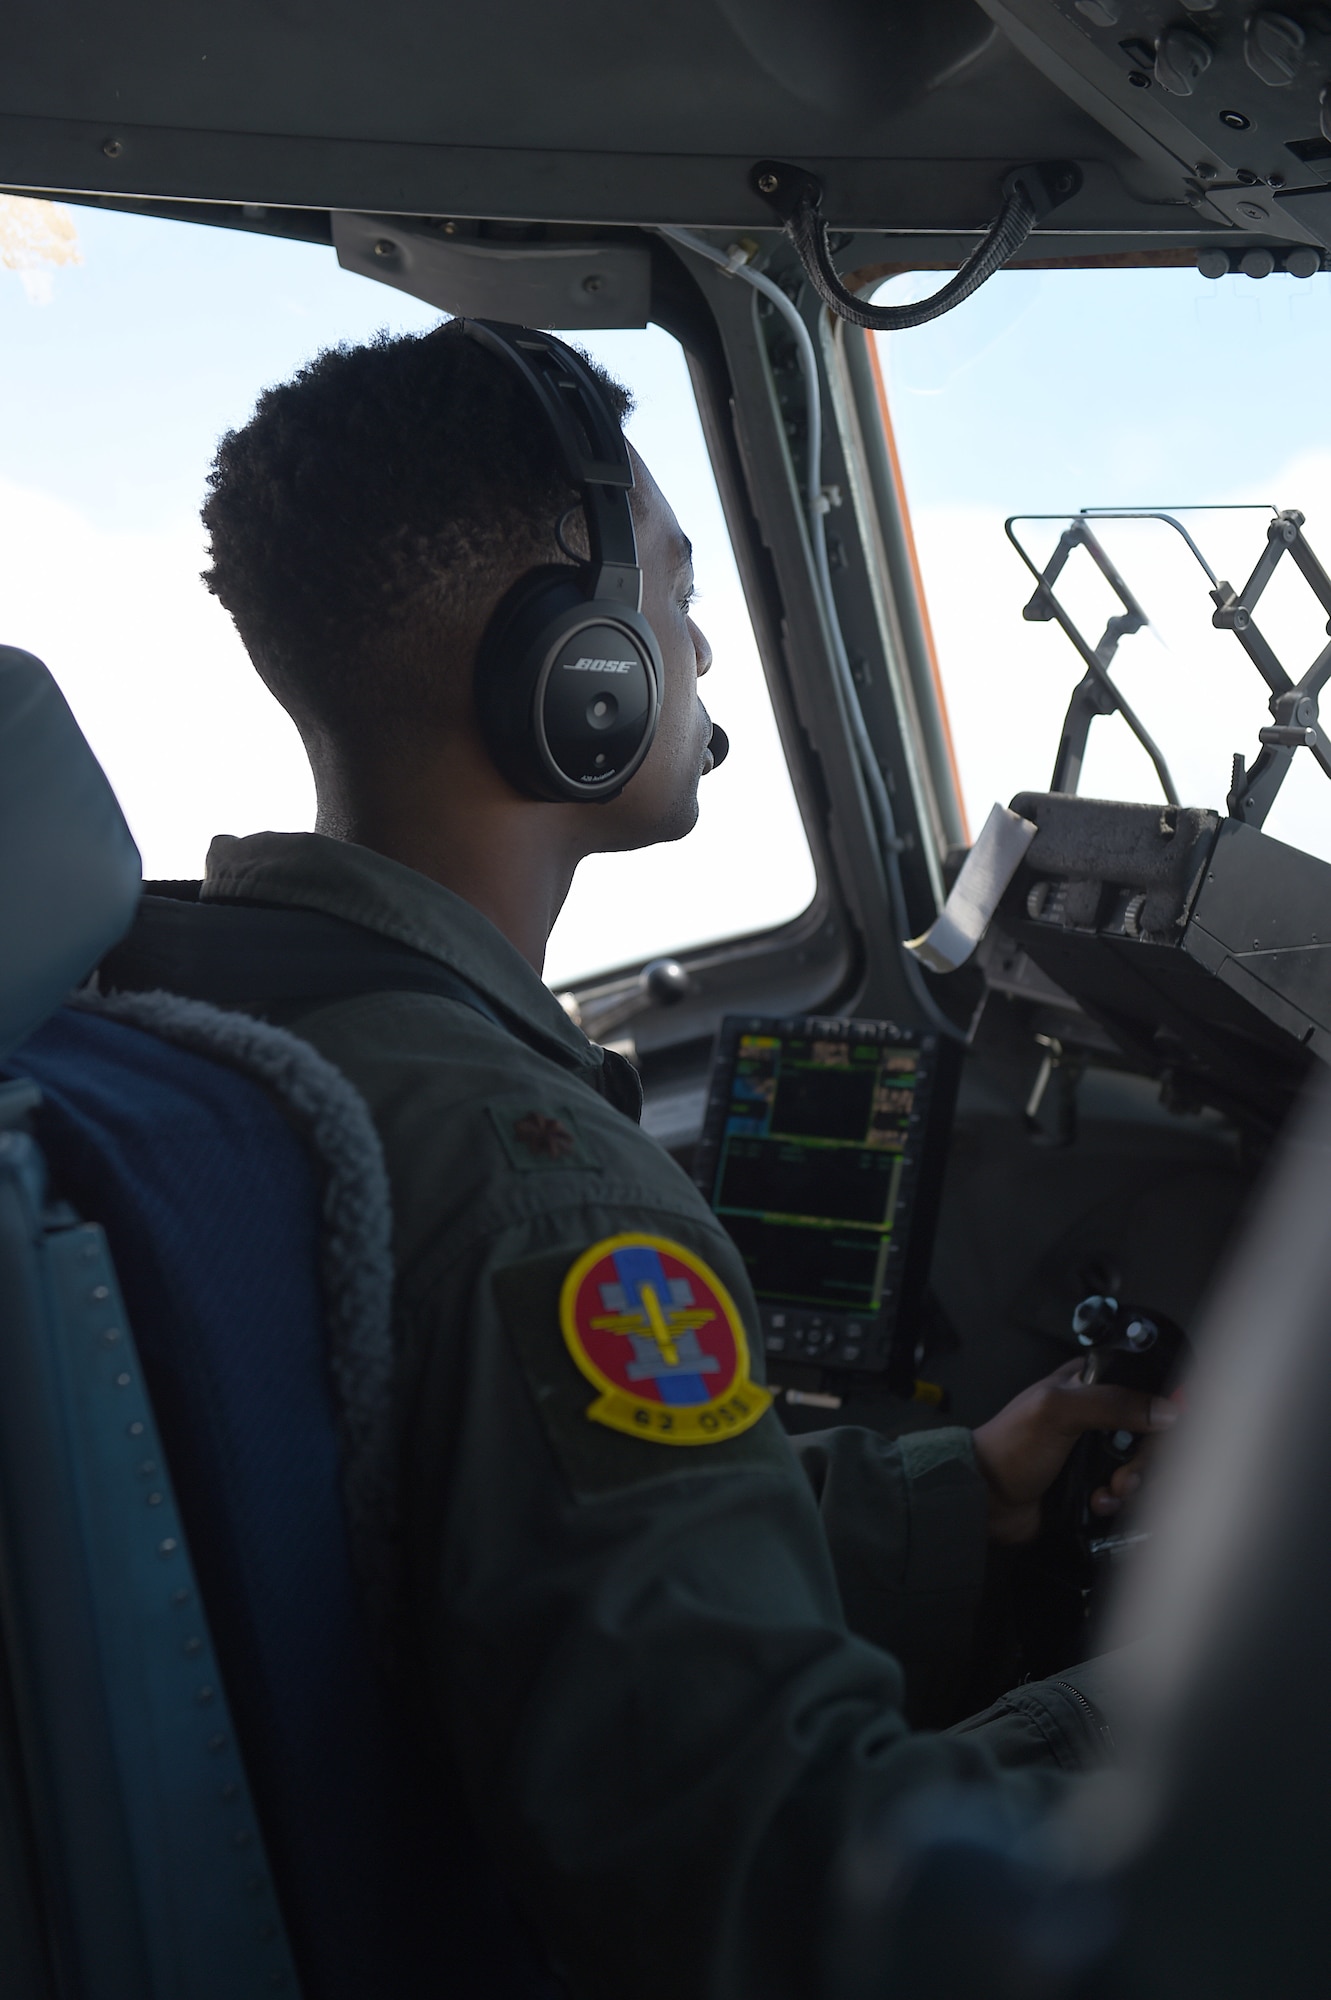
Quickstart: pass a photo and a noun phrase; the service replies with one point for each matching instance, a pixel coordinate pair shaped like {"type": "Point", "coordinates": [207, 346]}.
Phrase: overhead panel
{"type": "Point", "coordinates": [1239, 98]}
{"type": "Point", "coordinates": [588, 113]}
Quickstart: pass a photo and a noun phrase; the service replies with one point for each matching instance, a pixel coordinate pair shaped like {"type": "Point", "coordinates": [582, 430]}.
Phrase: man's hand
{"type": "Point", "coordinates": [1023, 1449]}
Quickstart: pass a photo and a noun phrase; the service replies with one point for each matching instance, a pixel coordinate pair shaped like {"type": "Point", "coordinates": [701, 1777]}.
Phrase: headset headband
{"type": "Point", "coordinates": [591, 444]}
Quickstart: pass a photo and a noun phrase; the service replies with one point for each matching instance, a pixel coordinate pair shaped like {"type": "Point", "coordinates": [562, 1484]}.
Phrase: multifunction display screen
{"type": "Point", "coordinates": [811, 1157]}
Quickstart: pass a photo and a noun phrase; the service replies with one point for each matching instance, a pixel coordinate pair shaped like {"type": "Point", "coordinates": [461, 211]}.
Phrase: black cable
{"type": "Point", "coordinates": [1029, 195]}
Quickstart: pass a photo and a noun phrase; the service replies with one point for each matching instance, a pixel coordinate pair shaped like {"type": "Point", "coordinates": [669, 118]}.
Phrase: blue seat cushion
{"type": "Point", "coordinates": [212, 1212]}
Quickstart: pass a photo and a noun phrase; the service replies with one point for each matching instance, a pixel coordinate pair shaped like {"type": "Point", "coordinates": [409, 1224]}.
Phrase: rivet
{"type": "Point", "coordinates": [768, 183]}
{"type": "Point", "coordinates": [112, 148]}
{"type": "Point", "coordinates": [135, 1430]}
{"type": "Point", "coordinates": [111, 1336]}
{"type": "Point", "coordinates": [450, 229]}
{"type": "Point", "coordinates": [385, 247]}
{"type": "Point", "coordinates": [229, 1791]}
{"type": "Point", "coordinates": [147, 1468]}
{"type": "Point", "coordinates": [593, 283]}
{"type": "Point", "coordinates": [154, 1499]}
{"type": "Point", "coordinates": [181, 1596]}
{"type": "Point", "coordinates": [193, 1645]}
{"type": "Point", "coordinates": [168, 1547]}
{"type": "Point", "coordinates": [1235, 121]}
{"type": "Point", "coordinates": [216, 1743]}
{"type": "Point", "coordinates": [123, 1381]}
{"type": "Point", "coordinates": [205, 1695]}
{"type": "Point", "coordinates": [100, 1292]}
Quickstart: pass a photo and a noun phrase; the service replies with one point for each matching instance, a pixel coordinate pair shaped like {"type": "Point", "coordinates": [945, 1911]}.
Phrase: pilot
{"type": "Point", "coordinates": [660, 1644]}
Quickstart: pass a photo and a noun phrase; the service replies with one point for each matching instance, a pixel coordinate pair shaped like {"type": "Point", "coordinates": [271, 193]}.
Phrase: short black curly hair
{"type": "Point", "coordinates": [367, 518]}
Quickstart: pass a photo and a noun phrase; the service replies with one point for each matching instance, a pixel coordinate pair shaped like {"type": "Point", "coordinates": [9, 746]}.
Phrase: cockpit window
{"type": "Point", "coordinates": [131, 345]}
{"type": "Point", "coordinates": [1052, 391]}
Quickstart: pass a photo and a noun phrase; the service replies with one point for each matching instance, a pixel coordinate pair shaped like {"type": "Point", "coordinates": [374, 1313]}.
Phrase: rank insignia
{"type": "Point", "coordinates": [657, 1333]}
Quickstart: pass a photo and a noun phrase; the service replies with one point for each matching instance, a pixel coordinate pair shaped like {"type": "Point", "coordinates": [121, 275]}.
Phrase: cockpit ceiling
{"type": "Point", "coordinates": [910, 111]}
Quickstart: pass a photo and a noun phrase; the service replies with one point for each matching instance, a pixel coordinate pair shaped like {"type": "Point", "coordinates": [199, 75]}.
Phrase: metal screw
{"type": "Point", "coordinates": [1253, 211]}
{"type": "Point", "coordinates": [1139, 79]}
{"type": "Point", "coordinates": [1204, 170]}
{"type": "Point", "coordinates": [1235, 121]}
{"type": "Point", "coordinates": [112, 148]}
{"type": "Point", "coordinates": [111, 1336]}
{"type": "Point", "coordinates": [385, 247]}
{"type": "Point", "coordinates": [593, 284]}
{"type": "Point", "coordinates": [768, 183]}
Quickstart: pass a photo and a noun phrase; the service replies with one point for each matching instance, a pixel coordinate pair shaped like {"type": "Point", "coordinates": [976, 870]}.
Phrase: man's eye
{"type": "Point", "coordinates": [689, 598]}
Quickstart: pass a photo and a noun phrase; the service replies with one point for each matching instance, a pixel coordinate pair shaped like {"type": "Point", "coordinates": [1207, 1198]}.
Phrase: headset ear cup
{"type": "Point", "coordinates": [508, 667]}
{"type": "Point", "coordinates": [567, 688]}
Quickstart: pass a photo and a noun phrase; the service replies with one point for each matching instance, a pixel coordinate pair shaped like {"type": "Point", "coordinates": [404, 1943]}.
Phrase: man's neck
{"type": "Point", "coordinates": [512, 861]}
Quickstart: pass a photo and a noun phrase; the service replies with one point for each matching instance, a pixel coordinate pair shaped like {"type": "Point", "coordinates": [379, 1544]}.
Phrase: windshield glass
{"type": "Point", "coordinates": [130, 345]}
{"type": "Point", "coordinates": [1049, 391]}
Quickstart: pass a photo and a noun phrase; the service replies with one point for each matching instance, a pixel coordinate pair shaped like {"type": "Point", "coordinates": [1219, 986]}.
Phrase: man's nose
{"type": "Point", "coordinates": [702, 651]}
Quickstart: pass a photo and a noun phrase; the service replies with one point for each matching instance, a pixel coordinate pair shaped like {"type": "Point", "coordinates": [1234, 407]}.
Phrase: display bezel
{"type": "Point", "coordinates": [798, 1335]}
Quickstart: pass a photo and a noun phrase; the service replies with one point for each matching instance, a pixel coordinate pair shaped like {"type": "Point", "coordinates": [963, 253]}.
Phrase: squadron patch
{"type": "Point", "coordinates": [653, 1328]}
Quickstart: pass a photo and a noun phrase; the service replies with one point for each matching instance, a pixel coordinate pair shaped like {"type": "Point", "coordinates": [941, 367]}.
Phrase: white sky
{"type": "Point", "coordinates": [120, 376]}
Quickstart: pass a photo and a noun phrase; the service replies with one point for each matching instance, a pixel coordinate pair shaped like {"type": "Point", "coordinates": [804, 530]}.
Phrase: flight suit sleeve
{"type": "Point", "coordinates": [637, 1656]}
{"type": "Point", "coordinates": [906, 1523]}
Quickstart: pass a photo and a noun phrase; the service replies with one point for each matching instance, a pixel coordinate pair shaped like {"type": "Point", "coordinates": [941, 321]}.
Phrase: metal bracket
{"type": "Point", "coordinates": [1097, 693]}
{"type": "Point", "coordinates": [1293, 704]}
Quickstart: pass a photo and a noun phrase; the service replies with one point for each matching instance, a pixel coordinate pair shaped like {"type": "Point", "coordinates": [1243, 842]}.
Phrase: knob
{"type": "Point", "coordinates": [1273, 47]}
{"type": "Point", "coordinates": [1181, 57]}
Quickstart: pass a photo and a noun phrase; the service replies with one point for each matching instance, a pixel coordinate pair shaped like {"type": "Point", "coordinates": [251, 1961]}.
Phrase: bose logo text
{"type": "Point", "coordinates": [585, 666]}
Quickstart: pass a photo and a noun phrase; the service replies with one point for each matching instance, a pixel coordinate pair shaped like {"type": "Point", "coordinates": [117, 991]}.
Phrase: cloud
{"type": "Point", "coordinates": [153, 670]}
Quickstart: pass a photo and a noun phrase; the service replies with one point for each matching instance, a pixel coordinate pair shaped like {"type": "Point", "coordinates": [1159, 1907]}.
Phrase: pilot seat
{"type": "Point", "coordinates": [209, 1783]}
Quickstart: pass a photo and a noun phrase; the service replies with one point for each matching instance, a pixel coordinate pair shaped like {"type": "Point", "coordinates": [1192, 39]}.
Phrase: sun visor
{"type": "Point", "coordinates": [69, 869]}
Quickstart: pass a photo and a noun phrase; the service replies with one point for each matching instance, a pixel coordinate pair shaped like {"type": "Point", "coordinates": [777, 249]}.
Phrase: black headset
{"type": "Point", "coordinates": [568, 673]}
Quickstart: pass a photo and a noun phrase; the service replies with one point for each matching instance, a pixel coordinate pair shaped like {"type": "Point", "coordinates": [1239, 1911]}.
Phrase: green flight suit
{"type": "Point", "coordinates": [665, 1673]}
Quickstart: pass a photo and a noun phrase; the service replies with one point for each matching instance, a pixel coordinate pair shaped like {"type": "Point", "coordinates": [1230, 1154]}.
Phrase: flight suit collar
{"type": "Point", "coordinates": [310, 871]}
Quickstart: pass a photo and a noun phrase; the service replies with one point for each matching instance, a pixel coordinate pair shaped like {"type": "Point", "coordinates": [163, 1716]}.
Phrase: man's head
{"type": "Point", "coordinates": [366, 522]}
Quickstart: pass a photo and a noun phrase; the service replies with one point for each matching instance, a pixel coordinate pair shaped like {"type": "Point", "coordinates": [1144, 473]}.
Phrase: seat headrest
{"type": "Point", "coordinates": [69, 869]}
